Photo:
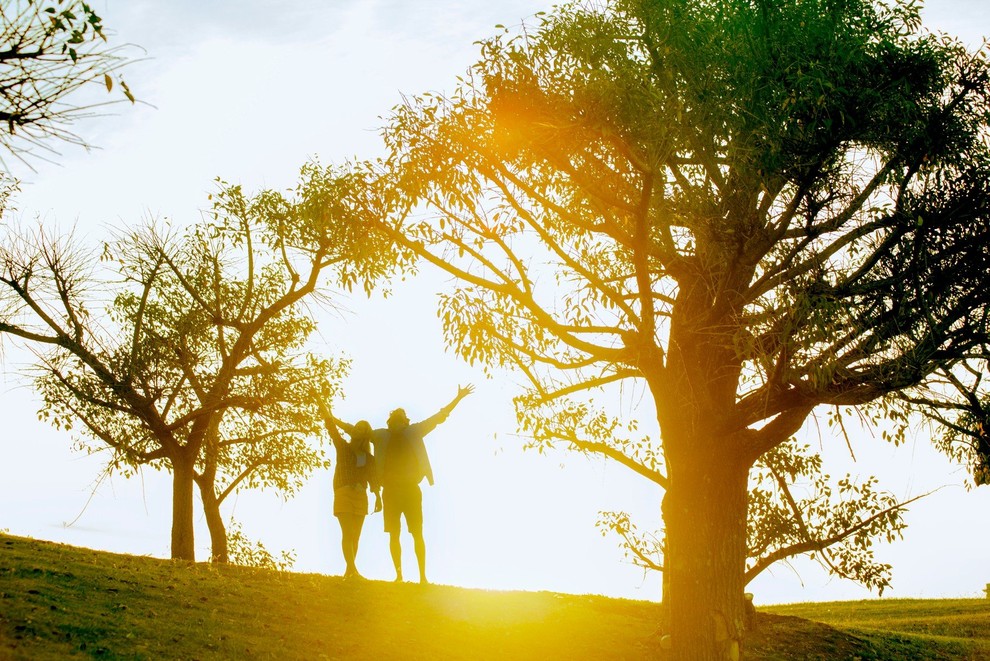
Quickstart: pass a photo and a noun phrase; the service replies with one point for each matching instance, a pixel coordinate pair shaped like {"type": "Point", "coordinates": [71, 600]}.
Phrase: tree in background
{"type": "Point", "coordinates": [190, 355]}
{"type": "Point", "coordinates": [48, 51]}
{"type": "Point", "coordinates": [754, 209]}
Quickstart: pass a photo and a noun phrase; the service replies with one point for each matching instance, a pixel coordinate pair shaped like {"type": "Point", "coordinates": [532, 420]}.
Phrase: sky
{"type": "Point", "coordinates": [248, 92]}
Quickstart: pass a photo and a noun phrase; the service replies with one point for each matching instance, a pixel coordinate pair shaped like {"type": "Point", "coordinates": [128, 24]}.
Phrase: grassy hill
{"type": "Point", "coordinates": [59, 601]}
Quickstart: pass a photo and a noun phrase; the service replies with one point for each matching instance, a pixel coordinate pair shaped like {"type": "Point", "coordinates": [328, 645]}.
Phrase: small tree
{"type": "Point", "coordinates": [753, 208]}
{"type": "Point", "coordinates": [197, 363]}
{"type": "Point", "coordinates": [48, 51]}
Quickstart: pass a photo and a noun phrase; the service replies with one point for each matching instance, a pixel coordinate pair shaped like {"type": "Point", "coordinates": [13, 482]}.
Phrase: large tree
{"type": "Point", "coordinates": [49, 50]}
{"type": "Point", "coordinates": [752, 208]}
{"type": "Point", "coordinates": [186, 351]}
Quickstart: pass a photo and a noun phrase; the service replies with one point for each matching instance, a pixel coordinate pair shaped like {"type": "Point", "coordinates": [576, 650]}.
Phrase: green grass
{"type": "Point", "coordinates": [938, 628]}
{"type": "Point", "coordinates": [60, 602]}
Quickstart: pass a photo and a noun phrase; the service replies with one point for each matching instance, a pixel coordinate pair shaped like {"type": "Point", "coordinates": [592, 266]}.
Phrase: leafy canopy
{"type": "Point", "coordinates": [189, 349]}
{"type": "Point", "coordinates": [751, 209]}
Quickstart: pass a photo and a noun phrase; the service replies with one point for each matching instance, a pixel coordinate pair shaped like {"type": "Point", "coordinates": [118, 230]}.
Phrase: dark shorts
{"type": "Point", "coordinates": [403, 500]}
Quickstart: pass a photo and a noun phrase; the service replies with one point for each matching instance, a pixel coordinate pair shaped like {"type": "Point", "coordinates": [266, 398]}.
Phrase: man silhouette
{"type": "Point", "coordinates": [403, 463]}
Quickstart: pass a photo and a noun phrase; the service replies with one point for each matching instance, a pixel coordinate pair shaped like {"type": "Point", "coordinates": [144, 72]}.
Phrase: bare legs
{"type": "Point", "coordinates": [396, 548]}
{"type": "Point", "coordinates": [350, 529]}
{"type": "Point", "coordinates": [420, 547]}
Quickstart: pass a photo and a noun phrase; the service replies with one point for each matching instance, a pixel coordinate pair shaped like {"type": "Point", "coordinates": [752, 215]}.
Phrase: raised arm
{"type": "Point", "coordinates": [428, 425]}
{"type": "Point", "coordinates": [332, 423]}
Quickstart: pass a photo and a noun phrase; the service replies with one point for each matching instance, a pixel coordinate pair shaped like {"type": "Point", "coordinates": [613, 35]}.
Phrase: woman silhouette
{"type": "Point", "coordinates": [354, 473]}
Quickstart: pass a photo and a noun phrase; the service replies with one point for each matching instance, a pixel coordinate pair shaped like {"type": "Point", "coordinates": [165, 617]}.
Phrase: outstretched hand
{"type": "Point", "coordinates": [324, 408]}
{"type": "Point", "coordinates": [378, 502]}
{"type": "Point", "coordinates": [464, 391]}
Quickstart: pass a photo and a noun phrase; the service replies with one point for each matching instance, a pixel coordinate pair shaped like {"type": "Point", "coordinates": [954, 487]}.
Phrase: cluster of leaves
{"type": "Point", "coordinates": [585, 427]}
{"type": "Point", "coordinates": [248, 553]}
{"type": "Point", "coordinates": [959, 406]}
{"type": "Point", "coordinates": [49, 49]}
{"type": "Point", "coordinates": [331, 212]}
{"type": "Point", "coordinates": [644, 549]}
{"type": "Point", "coordinates": [796, 509]}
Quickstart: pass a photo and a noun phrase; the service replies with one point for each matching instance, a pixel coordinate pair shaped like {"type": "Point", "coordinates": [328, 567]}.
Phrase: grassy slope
{"type": "Point", "coordinates": [58, 601]}
{"type": "Point", "coordinates": [939, 628]}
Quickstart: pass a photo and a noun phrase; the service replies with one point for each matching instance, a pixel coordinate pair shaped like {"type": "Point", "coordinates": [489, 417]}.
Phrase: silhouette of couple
{"type": "Point", "coordinates": [397, 465]}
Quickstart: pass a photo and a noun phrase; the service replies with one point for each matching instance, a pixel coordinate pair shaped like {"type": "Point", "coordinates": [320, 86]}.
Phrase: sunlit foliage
{"type": "Point", "coordinates": [796, 509]}
{"type": "Point", "coordinates": [186, 350]}
{"type": "Point", "coordinates": [248, 553]}
{"type": "Point", "coordinates": [752, 209]}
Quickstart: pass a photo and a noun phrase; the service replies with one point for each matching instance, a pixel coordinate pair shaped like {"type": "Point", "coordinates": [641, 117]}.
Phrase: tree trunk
{"type": "Point", "coordinates": [214, 521]}
{"type": "Point", "coordinates": [183, 545]}
{"type": "Point", "coordinates": [705, 521]}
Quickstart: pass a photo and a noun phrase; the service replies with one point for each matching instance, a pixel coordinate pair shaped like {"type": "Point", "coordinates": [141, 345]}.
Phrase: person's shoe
{"type": "Point", "coordinates": [398, 578]}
